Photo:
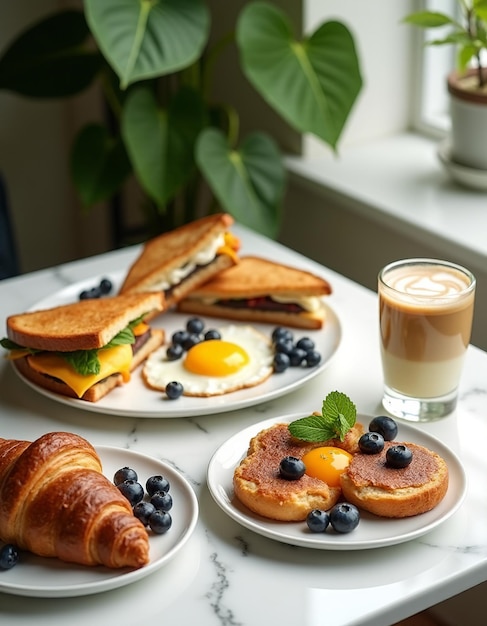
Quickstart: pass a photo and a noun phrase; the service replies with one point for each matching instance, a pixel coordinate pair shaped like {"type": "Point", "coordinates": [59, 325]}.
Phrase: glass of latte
{"type": "Point", "coordinates": [425, 311]}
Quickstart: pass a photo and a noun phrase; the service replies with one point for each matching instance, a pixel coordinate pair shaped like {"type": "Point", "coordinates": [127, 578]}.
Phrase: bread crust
{"type": "Point", "coordinates": [396, 493]}
{"type": "Point", "coordinates": [82, 325]}
{"type": "Point", "coordinates": [257, 483]}
{"type": "Point", "coordinates": [101, 388]}
{"type": "Point", "coordinates": [171, 250]}
{"type": "Point", "coordinates": [256, 276]}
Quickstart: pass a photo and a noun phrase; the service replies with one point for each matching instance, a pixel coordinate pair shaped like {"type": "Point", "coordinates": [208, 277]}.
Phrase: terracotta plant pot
{"type": "Point", "coordinates": [468, 111]}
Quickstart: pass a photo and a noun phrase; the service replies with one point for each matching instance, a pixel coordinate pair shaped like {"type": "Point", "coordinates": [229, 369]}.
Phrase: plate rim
{"type": "Point", "coordinates": [242, 399]}
{"type": "Point", "coordinates": [115, 579]}
{"type": "Point", "coordinates": [260, 525]}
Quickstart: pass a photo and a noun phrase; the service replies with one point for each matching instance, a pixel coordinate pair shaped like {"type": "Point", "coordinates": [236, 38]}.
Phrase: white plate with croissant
{"type": "Point", "coordinates": [36, 576]}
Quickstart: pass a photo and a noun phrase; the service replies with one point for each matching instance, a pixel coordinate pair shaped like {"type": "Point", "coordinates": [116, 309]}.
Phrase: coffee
{"type": "Point", "coordinates": [426, 312]}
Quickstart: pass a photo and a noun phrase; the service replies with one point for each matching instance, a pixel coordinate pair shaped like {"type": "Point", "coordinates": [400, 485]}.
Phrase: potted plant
{"type": "Point", "coordinates": [155, 63]}
{"type": "Point", "coordinates": [467, 83]}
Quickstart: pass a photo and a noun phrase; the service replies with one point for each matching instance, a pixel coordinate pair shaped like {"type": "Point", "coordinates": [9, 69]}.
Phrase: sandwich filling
{"type": "Point", "coordinates": [223, 243]}
{"type": "Point", "coordinates": [82, 369]}
{"type": "Point", "coordinates": [295, 304]}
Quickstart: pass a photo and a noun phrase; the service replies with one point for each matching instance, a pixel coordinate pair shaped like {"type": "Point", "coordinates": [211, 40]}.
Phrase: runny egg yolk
{"type": "Point", "coordinates": [327, 463]}
{"type": "Point", "coordinates": [215, 358]}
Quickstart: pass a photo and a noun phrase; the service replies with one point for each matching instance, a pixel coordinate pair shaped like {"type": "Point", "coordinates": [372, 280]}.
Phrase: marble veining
{"type": "Point", "coordinates": [227, 575]}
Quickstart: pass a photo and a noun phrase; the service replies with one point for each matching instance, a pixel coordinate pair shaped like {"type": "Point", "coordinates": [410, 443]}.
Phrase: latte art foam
{"type": "Point", "coordinates": [427, 282]}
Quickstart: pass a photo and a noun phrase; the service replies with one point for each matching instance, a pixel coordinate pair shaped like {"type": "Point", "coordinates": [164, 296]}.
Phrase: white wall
{"type": "Point", "coordinates": [385, 48]}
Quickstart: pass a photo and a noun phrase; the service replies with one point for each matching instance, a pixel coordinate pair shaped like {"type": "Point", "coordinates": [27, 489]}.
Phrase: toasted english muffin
{"type": "Point", "coordinates": [372, 485]}
{"type": "Point", "coordinates": [258, 485]}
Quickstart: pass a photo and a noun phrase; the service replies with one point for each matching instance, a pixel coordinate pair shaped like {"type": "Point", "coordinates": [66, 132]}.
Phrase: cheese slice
{"type": "Point", "coordinates": [112, 361]}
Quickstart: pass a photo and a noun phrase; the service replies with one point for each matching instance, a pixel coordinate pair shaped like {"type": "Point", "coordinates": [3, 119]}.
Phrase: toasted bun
{"type": "Point", "coordinates": [172, 250]}
{"type": "Point", "coordinates": [100, 389]}
{"type": "Point", "coordinates": [257, 483]}
{"type": "Point", "coordinates": [82, 325]}
{"type": "Point", "coordinates": [373, 486]}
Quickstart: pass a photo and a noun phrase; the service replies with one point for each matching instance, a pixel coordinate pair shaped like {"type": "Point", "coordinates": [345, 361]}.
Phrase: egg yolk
{"type": "Point", "coordinates": [215, 358]}
{"type": "Point", "coordinates": [327, 463]}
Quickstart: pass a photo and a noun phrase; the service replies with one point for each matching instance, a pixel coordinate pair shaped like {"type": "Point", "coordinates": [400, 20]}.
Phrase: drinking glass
{"type": "Point", "coordinates": [425, 311]}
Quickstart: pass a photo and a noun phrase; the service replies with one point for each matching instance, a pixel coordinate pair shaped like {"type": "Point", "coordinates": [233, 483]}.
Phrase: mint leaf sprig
{"type": "Point", "coordinates": [338, 415]}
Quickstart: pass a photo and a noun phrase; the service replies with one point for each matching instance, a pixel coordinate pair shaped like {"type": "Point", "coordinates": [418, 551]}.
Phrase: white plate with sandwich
{"type": "Point", "coordinates": [135, 399]}
{"type": "Point", "coordinates": [59, 347]}
{"type": "Point", "coordinates": [371, 532]}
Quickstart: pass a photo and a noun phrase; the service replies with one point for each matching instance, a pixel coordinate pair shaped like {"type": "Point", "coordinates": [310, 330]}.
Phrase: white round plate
{"type": "Point", "coordinates": [51, 578]}
{"type": "Point", "coordinates": [466, 176]}
{"type": "Point", "coordinates": [136, 400]}
{"type": "Point", "coordinates": [372, 531]}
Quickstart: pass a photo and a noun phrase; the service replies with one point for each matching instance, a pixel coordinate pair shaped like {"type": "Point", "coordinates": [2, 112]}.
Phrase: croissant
{"type": "Point", "coordinates": [55, 502]}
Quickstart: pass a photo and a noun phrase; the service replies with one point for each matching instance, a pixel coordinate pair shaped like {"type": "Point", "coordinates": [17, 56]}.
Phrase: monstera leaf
{"type": "Point", "coordinates": [99, 164]}
{"type": "Point", "coordinates": [144, 39]}
{"type": "Point", "coordinates": [248, 182]}
{"type": "Point", "coordinates": [161, 141]}
{"type": "Point", "coordinates": [49, 59]}
{"type": "Point", "coordinates": [312, 83]}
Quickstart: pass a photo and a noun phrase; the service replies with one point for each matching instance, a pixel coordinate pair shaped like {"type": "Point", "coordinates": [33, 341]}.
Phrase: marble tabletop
{"type": "Point", "coordinates": [227, 575]}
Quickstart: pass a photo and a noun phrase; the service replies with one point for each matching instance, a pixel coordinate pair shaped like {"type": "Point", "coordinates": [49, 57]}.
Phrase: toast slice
{"type": "Point", "coordinates": [261, 290]}
{"type": "Point", "coordinates": [178, 261]}
{"type": "Point", "coordinates": [87, 348]}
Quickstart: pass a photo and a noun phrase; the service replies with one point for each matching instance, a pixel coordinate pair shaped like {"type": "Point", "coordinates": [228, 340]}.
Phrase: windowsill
{"type": "Point", "coordinates": [400, 182]}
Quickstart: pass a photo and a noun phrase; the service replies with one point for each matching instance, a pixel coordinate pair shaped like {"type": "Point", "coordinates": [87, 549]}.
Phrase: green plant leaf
{"type": "Point", "coordinates": [146, 39]}
{"type": "Point", "coordinates": [428, 19]}
{"type": "Point", "coordinates": [48, 60]}
{"type": "Point", "coordinates": [248, 182]}
{"type": "Point", "coordinates": [160, 142]}
{"type": "Point", "coordinates": [312, 83]}
{"type": "Point", "coordinates": [99, 164]}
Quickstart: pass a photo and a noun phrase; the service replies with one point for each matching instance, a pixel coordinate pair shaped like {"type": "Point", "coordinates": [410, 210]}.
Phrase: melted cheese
{"type": "Point", "coordinates": [112, 361]}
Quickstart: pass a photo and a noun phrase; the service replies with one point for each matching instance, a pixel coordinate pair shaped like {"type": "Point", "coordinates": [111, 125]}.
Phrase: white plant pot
{"type": "Point", "coordinates": [468, 110]}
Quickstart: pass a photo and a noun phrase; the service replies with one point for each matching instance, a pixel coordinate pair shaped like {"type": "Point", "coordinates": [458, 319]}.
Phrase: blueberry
{"type": "Point", "coordinates": [280, 333]}
{"type": "Point", "coordinates": [212, 334]}
{"type": "Point", "coordinates": [9, 556]}
{"type": "Point", "coordinates": [162, 501]}
{"type": "Point", "coordinates": [280, 362]}
{"type": "Point", "coordinates": [174, 390]}
{"type": "Point", "coordinates": [179, 337]}
{"type": "Point", "coordinates": [384, 425]}
{"type": "Point", "coordinates": [283, 346]}
{"type": "Point", "coordinates": [125, 473]}
{"type": "Point", "coordinates": [143, 510]}
{"type": "Point", "coordinates": [399, 456]}
{"type": "Point", "coordinates": [306, 344]}
{"type": "Point", "coordinates": [160, 522]}
{"type": "Point", "coordinates": [371, 443]}
{"type": "Point", "coordinates": [156, 483]}
{"type": "Point", "coordinates": [291, 468]}
{"type": "Point", "coordinates": [312, 358]}
{"type": "Point", "coordinates": [296, 357]}
{"type": "Point", "coordinates": [317, 521]}
{"type": "Point", "coordinates": [344, 517]}
{"type": "Point", "coordinates": [195, 326]}
{"type": "Point", "coordinates": [132, 490]}
{"type": "Point", "coordinates": [174, 352]}
{"type": "Point", "coordinates": [90, 294]}
{"type": "Point", "coordinates": [191, 340]}
{"type": "Point", "coordinates": [105, 286]}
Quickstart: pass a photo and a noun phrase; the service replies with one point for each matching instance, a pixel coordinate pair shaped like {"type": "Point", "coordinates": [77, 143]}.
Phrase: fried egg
{"type": "Point", "coordinates": [241, 358]}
